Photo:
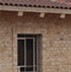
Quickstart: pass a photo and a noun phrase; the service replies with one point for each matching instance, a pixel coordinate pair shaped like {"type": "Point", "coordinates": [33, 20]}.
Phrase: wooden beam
{"type": "Point", "coordinates": [20, 13]}
{"type": "Point", "coordinates": [35, 9]}
{"type": "Point", "coordinates": [42, 15]}
{"type": "Point", "coordinates": [62, 16]}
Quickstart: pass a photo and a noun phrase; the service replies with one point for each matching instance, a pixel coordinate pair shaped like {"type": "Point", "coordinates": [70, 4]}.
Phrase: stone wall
{"type": "Point", "coordinates": [56, 40]}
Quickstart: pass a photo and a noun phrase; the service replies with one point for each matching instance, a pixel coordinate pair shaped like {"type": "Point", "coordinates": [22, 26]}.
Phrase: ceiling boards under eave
{"type": "Point", "coordinates": [34, 9]}
{"type": "Point", "coordinates": [61, 7]}
{"type": "Point", "coordinates": [42, 11]}
{"type": "Point", "coordinates": [47, 6]}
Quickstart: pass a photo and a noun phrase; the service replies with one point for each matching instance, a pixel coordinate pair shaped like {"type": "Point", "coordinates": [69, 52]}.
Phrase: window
{"type": "Point", "coordinates": [28, 48]}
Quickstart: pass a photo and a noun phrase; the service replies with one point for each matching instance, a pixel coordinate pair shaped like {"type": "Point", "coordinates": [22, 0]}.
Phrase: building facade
{"type": "Point", "coordinates": [30, 43]}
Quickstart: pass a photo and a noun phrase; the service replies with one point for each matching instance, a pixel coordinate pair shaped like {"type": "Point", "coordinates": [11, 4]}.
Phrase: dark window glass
{"type": "Point", "coordinates": [29, 51]}
{"type": "Point", "coordinates": [25, 35]}
{"type": "Point", "coordinates": [35, 68]}
{"type": "Point", "coordinates": [22, 69]}
{"type": "Point", "coordinates": [20, 52]}
{"type": "Point", "coordinates": [29, 68]}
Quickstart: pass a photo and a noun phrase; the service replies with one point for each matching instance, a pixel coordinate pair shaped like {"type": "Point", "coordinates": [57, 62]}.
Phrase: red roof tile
{"type": "Point", "coordinates": [39, 3]}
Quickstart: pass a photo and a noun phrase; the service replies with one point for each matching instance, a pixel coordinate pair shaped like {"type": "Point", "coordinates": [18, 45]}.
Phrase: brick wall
{"type": "Point", "coordinates": [56, 40]}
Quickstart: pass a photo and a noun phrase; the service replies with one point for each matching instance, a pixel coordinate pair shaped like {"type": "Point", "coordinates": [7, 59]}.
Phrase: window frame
{"type": "Point", "coordinates": [35, 38]}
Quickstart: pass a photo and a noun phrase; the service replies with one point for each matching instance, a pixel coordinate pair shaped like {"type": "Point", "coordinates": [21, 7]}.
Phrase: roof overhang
{"type": "Point", "coordinates": [35, 9]}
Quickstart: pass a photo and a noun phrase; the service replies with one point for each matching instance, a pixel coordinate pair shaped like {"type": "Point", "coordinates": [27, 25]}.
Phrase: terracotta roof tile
{"type": "Point", "coordinates": [39, 3]}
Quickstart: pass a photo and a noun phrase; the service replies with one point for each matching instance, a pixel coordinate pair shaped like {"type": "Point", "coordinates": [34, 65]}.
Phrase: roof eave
{"type": "Point", "coordinates": [34, 9]}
